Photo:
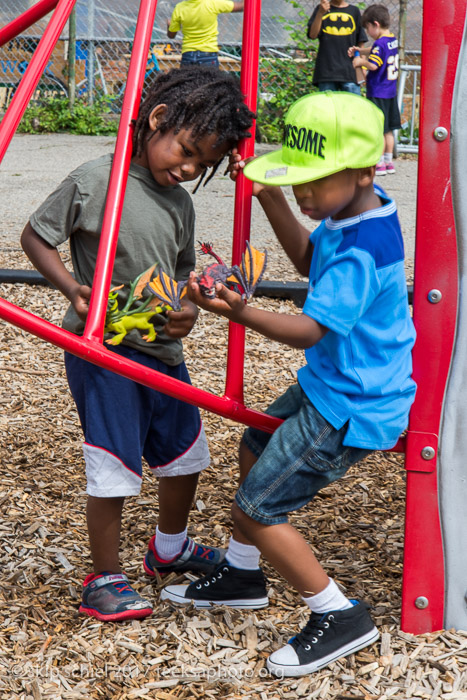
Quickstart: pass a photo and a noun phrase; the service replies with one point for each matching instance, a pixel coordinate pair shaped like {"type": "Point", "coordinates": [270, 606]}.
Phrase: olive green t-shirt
{"type": "Point", "coordinates": [157, 226]}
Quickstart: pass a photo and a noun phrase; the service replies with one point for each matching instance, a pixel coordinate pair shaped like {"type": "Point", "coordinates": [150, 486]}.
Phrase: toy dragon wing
{"type": "Point", "coordinates": [142, 281]}
{"type": "Point", "coordinates": [167, 290]}
{"type": "Point", "coordinates": [251, 270]}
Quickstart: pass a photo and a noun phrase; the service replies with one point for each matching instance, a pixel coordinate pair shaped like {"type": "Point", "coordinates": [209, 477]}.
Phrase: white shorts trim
{"type": "Point", "coordinates": [194, 460]}
{"type": "Point", "coordinates": [107, 476]}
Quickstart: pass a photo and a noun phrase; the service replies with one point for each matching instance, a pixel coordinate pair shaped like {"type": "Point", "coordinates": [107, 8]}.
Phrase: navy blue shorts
{"type": "Point", "coordinates": [302, 456]}
{"type": "Point", "coordinates": [124, 421]}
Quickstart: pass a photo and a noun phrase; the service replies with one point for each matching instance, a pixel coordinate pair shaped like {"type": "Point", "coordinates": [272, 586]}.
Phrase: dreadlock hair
{"type": "Point", "coordinates": [204, 100]}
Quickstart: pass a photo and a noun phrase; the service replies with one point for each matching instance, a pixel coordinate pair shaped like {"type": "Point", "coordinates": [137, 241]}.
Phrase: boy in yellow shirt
{"type": "Point", "coordinates": [197, 19]}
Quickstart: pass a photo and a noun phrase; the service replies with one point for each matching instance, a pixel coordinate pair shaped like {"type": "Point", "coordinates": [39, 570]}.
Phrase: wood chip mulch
{"type": "Point", "coordinates": [47, 650]}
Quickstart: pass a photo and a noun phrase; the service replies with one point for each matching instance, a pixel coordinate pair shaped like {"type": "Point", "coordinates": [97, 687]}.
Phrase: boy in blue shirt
{"type": "Point", "coordinates": [353, 394]}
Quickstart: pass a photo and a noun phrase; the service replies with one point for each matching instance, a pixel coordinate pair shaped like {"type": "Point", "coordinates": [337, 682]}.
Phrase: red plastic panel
{"type": "Point", "coordinates": [435, 269]}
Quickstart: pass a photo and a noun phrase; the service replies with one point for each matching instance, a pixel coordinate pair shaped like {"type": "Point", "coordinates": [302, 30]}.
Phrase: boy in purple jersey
{"type": "Point", "coordinates": [382, 62]}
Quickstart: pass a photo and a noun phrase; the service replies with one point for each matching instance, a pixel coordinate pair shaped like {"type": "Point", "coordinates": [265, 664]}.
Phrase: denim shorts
{"type": "Point", "coordinates": [342, 87]}
{"type": "Point", "coordinates": [301, 457]}
{"type": "Point", "coordinates": [206, 58]}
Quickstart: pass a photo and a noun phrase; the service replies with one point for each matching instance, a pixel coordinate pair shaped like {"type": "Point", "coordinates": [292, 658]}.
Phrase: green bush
{"type": "Point", "coordinates": [285, 82]}
{"type": "Point", "coordinates": [404, 133]}
{"type": "Point", "coordinates": [54, 114]}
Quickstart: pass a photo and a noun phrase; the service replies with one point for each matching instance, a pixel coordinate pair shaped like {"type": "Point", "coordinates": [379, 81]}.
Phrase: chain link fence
{"type": "Point", "coordinates": [104, 35]}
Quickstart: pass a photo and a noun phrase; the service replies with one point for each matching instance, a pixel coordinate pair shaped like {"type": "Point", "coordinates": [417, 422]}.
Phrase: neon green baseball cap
{"type": "Point", "coordinates": [324, 133]}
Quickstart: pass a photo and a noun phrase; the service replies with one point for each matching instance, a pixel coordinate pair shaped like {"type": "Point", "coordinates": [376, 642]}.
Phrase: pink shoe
{"type": "Point", "coordinates": [390, 169]}
{"type": "Point", "coordinates": [381, 169]}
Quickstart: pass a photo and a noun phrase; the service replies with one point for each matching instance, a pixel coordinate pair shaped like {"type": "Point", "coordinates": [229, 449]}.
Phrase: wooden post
{"type": "Point", "coordinates": [402, 29]}
{"type": "Point", "coordinates": [72, 59]}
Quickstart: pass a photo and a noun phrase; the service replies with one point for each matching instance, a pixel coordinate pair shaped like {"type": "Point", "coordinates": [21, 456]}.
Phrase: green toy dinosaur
{"type": "Point", "coordinates": [134, 314]}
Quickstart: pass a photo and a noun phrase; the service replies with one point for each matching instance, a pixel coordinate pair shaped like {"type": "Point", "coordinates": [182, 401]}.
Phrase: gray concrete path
{"type": "Point", "coordinates": [35, 164]}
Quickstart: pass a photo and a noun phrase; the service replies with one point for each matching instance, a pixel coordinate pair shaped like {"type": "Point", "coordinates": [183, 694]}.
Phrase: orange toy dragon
{"type": "Point", "coordinates": [243, 278]}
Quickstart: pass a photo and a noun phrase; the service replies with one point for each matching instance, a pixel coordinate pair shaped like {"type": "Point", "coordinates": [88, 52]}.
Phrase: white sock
{"type": "Point", "coordinates": [328, 599]}
{"type": "Point", "coordinates": [242, 556]}
{"type": "Point", "coordinates": [168, 546]}
{"type": "Point", "coordinates": [382, 161]}
{"type": "Point", "coordinates": [388, 157]}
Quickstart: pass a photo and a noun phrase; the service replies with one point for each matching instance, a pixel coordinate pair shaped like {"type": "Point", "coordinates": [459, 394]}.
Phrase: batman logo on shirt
{"type": "Point", "coordinates": [338, 24]}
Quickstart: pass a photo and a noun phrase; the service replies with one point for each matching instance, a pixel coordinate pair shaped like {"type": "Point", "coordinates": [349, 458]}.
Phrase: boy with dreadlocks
{"type": "Point", "coordinates": [188, 122]}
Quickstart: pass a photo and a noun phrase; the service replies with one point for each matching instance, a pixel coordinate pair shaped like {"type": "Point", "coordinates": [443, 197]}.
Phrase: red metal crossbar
{"type": "Point", "coordinates": [36, 66]}
{"type": "Point", "coordinates": [26, 19]}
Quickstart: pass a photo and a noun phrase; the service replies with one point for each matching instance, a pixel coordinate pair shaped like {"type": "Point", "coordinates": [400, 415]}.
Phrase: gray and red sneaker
{"type": "Point", "coordinates": [109, 597]}
{"type": "Point", "coordinates": [390, 169]}
{"type": "Point", "coordinates": [193, 557]}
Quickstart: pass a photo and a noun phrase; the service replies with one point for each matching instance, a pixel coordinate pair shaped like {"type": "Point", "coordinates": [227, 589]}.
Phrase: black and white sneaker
{"type": "Point", "coordinates": [325, 638]}
{"type": "Point", "coordinates": [236, 588]}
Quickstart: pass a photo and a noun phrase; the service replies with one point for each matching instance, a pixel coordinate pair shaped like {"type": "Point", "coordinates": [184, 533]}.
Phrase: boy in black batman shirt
{"type": "Point", "coordinates": [337, 26]}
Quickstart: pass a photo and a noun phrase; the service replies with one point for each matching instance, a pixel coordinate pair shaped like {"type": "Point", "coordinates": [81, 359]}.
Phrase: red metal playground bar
{"type": "Point", "coordinates": [423, 603]}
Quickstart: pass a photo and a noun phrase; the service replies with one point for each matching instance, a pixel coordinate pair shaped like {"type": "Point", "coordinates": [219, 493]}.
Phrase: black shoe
{"type": "Point", "coordinates": [325, 638]}
{"type": "Point", "coordinates": [236, 588]}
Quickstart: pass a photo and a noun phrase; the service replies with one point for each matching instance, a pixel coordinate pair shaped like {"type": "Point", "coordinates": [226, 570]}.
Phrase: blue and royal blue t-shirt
{"type": "Point", "coordinates": [360, 371]}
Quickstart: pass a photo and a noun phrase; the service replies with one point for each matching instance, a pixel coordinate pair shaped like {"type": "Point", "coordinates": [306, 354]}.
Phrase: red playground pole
{"type": "Point", "coordinates": [95, 321]}
{"type": "Point", "coordinates": [244, 188]}
{"type": "Point", "coordinates": [26, 19]}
